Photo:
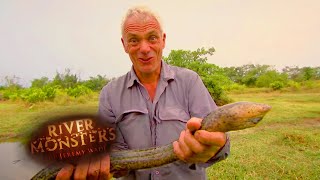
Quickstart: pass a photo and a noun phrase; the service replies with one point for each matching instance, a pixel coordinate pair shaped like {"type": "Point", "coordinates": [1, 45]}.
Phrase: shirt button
{"type": "Point", "coordinates": [157, 172]}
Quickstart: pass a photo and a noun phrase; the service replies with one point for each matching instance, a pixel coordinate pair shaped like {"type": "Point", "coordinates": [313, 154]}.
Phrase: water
{"type": "Point", "coordinates": [15, 163]}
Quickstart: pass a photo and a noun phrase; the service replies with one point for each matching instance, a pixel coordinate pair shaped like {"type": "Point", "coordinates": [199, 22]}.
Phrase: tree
{"type": "Point", "coordinates": [39, 83]}
{"type": "Point", "coordinates": [212, 76]}
{"type": "Point", "coordinates": [183, 58]}
{"type": "Point", "coordinates": [252, 72]}
{"type": "Point", "coordinates": [12, 82]}
{"type": "Point", "coordinates": [66, 79]}
{"type": "Point", "coordinates": [302, 74]}
{"type": "Point", "coordinates": [308, 73]}
{"type": "Point", "coordinates": [294, 73]}
{"type": "Point", "coordinates": [96, 83]}
{"type": "Point", "coordinates": [269, 77]}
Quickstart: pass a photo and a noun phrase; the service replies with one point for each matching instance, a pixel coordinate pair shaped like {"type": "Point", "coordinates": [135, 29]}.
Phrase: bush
{"type": "Point", "coordinates": [266, 79]}
{"type": "Point", "coordinates": [294, 85]}
{"type": "Point", "coordinates": [277, 85]}
{"type": "Point", "coordinates": [11, 94]}
{"type": "Point", "coordinates": [236, 87]}
{"type": "Point", "coordinates": [33, 95]}
{"type": "Point", "coordinates": [30, 95]}
{"type": "Point", "coordinates": [78, 91]}
{"type": "Point", "coordinates": [216, 91]}
{"type": "Point", "coordinates": [50, 92]}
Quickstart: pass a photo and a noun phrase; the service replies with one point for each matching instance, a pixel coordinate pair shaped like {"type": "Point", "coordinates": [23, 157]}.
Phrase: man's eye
{"type": "Point", "coordinates": [153, 39]}
{"type": "Point", "coordinates": [133, 41]}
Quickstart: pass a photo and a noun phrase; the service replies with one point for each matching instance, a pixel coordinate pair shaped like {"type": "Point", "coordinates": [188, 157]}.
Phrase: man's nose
{"type": "Point", "coordinates": [144, 47]}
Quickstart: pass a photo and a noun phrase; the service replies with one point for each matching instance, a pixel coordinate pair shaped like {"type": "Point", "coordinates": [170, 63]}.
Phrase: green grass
{"type": "Point", "coordinates": [285, 145]}
{"type": "Point", "coordinates": [17, 120]}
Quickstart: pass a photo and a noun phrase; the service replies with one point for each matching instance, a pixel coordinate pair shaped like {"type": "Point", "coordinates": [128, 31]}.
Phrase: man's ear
{"type": "Point", "coordinates": [164, 40]}
{"type": "Point", "coordinates": [124, 46]}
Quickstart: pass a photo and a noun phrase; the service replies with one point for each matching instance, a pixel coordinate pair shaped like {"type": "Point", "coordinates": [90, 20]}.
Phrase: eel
{"type": "Point", "coordinates": [230, 117]}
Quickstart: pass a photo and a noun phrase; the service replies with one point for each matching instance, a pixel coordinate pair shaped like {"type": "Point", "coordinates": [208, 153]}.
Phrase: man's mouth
{"type": "Point", "coordinates": [145, 60]}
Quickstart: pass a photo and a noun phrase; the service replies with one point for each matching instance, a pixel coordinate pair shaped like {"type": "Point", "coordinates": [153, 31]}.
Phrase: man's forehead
{"type": "Point", "coordinates": [141, 24]}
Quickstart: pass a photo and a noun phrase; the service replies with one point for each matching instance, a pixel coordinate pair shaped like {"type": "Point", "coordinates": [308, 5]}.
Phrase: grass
{"type": "Point", "coordinates": [285, 145]}
{"type": "Point", "coordinates": [17, 120]}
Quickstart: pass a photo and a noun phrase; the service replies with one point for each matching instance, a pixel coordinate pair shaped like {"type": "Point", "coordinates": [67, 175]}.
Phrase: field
{"type": "Point", "coordinates": [285, 145]}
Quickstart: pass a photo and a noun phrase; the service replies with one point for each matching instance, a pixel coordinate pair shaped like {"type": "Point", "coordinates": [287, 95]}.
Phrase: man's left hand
{"type": "Point", "coordinates": [200, 146]}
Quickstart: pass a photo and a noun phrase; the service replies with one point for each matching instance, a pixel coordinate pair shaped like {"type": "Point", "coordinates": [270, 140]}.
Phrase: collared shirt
{"type": "Point", "coordinates": [142, 123]}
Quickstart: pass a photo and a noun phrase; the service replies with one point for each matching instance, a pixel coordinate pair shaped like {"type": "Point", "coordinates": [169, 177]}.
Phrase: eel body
{"type": "Point", "coordinates": [230, 117]}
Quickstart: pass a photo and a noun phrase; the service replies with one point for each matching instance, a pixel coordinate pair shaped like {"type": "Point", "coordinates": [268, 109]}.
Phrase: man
{"type": "Point", "coordinates": [155, 104]}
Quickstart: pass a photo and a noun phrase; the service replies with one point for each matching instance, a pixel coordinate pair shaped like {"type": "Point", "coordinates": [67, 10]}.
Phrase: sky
{"type": "Point", "coordinates": [39, 38]}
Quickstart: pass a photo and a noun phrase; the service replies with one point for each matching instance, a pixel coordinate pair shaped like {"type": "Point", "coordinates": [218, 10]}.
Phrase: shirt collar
{"type": "Point", "coordinates": [166, 74]}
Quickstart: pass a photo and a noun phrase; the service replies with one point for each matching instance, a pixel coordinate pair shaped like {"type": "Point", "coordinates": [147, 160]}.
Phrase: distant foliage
{"type": "Point", "coordinates": [39, 83]}
{"type": "Point", "coordinates": [11, 94]}
{"type": "Point", "coordinates": [67, 86]}
{"type": "Point", "coordinates": [252, 75]}
{"type": "Point", "coordinates": [43, 89]}
{"type": "Point", "coordinates": [277, 85]}
{"type": "Point", "coordinates": [298, 74]}
{"type": "Point", "coordinates": [11, 82]}
{"type": "Point", "coordinates": [96, 83]}
{"type": "Point", "coordinates": [212, 76]}
{"type": "Point", "coordinates": [269, 77]}
{"type": "Point", "coordinates": [66, 79]}
{"type": "Point", "coordinates": [78, 91]}
{"type": "Point", "coordinates": [30, 95]}
{"type": "Point", "coordinates": [33, 95]}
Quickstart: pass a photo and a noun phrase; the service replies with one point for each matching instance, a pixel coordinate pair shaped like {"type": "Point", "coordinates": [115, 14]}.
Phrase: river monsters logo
{"type": "Point", "coordinates": [69, 138]}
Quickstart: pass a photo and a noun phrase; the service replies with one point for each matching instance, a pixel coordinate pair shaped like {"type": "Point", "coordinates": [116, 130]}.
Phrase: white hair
{"type": "Point", "coordinates": [143, 12]}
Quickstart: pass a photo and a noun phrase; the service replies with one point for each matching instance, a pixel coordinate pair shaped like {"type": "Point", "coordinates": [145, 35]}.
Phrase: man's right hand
{"type": "Point", "coordinates": [94, 168]}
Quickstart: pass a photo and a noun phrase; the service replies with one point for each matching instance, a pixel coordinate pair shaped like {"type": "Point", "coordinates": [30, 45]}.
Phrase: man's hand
{"type": "Point", "coordinates": [200, 146]}
{"type": "Point", "coordinates": [94, 168]}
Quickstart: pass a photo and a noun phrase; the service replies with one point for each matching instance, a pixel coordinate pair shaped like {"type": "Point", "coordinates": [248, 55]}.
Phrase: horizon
{"type": "Point", "coordinates": [40, 38]}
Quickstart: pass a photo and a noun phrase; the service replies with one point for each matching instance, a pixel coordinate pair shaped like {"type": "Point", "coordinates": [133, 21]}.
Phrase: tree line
{"type": "Point", "coordinates": [218, 80]}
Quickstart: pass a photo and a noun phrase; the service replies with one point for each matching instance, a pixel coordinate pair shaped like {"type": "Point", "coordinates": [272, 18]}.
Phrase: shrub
{"type": "Point", "coordinates": [277, 85]}
{"type": "Point", "coordinates": [50, 92]}
{"type": "Point", "coordinates": [78, 91]}
{"type": "Point", "coordinates": [236, 86]}
{"type": "Point", "coordinates": [216, 91]}
{"type": "Point", "coordinates": [33, 95]}
{"type": "Point", "coordinates": [11, 94]}
{"type": "Point", "coordinates": [269, 77]}
{"type": "Point", "coordinates": [294, 85]}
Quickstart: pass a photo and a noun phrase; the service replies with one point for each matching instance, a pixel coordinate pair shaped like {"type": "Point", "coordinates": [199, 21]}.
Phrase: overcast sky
{"type": "Point", "coordinates": [40, 37]}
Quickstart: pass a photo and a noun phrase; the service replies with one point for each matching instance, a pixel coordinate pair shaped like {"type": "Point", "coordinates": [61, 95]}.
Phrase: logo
{"type": "Point", "coordinates": [69, 138]}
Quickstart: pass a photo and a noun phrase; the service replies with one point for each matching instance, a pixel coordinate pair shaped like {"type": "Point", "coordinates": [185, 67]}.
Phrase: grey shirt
{"type": "Point", "coordinates": [142, 123]}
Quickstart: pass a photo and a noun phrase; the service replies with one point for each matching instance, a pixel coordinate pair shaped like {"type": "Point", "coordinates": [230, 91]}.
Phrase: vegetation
{"type": "Point", "coordinates": [62, 85]}
{"type": "Point", "coordinates": [219, 81]}
{"type": "Point", "coordinates": [284, 146]}
{"type": "Point", "coordinates": [212, 76]}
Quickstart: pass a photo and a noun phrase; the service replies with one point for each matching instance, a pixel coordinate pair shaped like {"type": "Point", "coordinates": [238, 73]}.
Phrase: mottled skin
{"type": "Point", "coordinates": [231, 117]}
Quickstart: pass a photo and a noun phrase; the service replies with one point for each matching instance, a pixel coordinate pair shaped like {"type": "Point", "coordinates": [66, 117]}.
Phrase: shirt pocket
{"type": "Point", "coordinates": [173, 114]}
{"type": "Point", "coordinates": [171, 121]}
{"type": "Point", "coordinates": [130, 114]}
{"type": "Point", "coordinates": [134, 126]}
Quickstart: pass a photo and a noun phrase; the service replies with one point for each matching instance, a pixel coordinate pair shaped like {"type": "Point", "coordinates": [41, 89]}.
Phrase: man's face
{"type": "Point", "coordinates": [143, 40]}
